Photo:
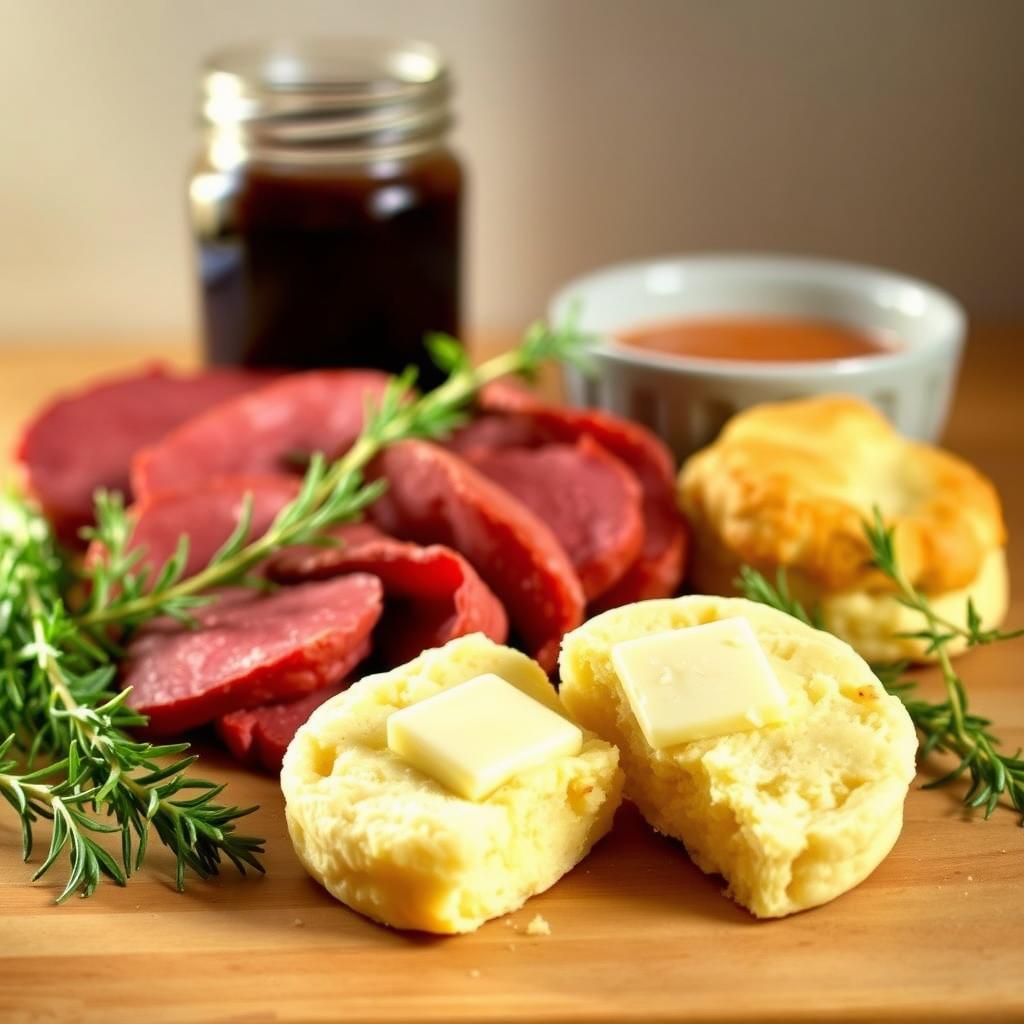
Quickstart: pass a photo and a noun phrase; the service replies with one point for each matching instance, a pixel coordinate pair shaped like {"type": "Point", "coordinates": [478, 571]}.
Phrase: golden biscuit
{"type": "Point", "coordinates": [790, 485]}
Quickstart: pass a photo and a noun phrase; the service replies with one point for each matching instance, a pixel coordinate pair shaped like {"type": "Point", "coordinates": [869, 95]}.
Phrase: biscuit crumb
{"type": "Point", "coordinates": [970, 878]}
{"type": "Point", "coordinates": [538, 926]}
{"type": "Point", "coordinates": [298, 922]}
{"type": "Point", "coordinates": [474, 973]}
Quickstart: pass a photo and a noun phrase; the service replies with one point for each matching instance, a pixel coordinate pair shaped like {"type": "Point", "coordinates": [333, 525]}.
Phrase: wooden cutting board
{"type": "Point", "coordinates": [637, 933]}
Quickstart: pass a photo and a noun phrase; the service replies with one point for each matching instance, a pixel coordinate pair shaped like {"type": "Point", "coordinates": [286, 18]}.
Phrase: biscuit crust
{"type": "Point", "coordinates": [789, 484]}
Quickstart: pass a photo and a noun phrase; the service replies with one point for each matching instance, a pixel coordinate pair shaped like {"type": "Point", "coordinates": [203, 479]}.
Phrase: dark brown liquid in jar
{"type": "Point", "coordinates": [321, 249]}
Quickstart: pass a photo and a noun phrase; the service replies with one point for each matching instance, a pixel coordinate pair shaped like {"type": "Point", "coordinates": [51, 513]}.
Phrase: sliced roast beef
{"type": "Point", "coordinates": [431, 594]}
{"type": "Point", "coordinates": [520, 418]}
{"type": "Point", "coordinates": [207, 514]}
{"type": "Point", "coordinates": [435, 497]}
{"type": "Point", "coordinates": [591, 501]}
{"type": "Point", "coordinates": [249, 649]}
{"type": "Point", "coordinates": [84, 441]}
{"type": "Point", "coordinates": [272, 430]}
{"type": "Point", "coordinates": [258, 737]}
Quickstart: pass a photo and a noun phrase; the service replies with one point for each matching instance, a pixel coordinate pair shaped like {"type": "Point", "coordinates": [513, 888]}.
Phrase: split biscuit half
{"type": "Point", "coordinates": [791, 814]}
{"type": "Point", "coordinates": [393, 843]}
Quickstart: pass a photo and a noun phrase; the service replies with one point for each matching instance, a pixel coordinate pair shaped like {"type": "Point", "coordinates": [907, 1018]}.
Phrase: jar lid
{"type": "Point", "coordinates": [350, 92]}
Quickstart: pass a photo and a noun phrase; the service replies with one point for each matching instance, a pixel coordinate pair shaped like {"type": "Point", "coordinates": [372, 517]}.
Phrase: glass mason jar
{"type": "Point", "coordinates": [326, 205]}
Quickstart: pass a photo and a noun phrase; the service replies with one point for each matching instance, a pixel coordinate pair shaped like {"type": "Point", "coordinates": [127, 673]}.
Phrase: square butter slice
{"type": "Point", "coordinates": [477, 735]}
{"type": "Point", "coordinates": [697, 682]}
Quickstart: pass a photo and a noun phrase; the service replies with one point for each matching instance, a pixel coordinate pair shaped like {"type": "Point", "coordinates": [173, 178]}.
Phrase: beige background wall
{"type": "Point", "coordinates": [883, 130]}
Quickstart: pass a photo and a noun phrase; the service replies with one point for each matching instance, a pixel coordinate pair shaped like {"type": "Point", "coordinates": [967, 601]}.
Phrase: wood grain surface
{"type": "Point", "coordinates": [637, 933]}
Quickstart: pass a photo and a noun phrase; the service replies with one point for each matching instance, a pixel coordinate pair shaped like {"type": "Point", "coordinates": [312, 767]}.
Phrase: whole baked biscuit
{"type": "Point", "coordinates": [789, 485]}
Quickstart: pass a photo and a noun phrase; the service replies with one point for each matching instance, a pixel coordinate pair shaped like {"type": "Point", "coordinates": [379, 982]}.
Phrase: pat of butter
{"type": "Point", "coordinates": [689, 684]}
{"type": "Point", "coordinates": [475, 736]}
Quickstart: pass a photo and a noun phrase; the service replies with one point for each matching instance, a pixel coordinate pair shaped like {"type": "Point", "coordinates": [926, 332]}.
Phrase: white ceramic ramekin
{"type": "Point", "coordinates": [687, 400]}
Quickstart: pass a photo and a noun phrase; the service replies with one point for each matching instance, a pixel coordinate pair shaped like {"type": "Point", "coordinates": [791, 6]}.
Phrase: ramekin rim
{"type": "Point", "coordinates": [946, 345]}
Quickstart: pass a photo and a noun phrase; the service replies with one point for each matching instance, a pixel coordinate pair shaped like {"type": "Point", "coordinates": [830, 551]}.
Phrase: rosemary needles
{"type": "Point", "coordinates": [60, 710]}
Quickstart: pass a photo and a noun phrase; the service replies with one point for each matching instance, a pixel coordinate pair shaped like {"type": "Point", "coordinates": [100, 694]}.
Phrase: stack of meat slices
{"type": "Point", "coordinates": [85, 441]}
{"type": "Point", "coordinates": [525, 520]}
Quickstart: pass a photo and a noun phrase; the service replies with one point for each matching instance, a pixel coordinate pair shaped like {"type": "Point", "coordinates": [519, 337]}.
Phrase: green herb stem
{"type": "Point", "coordinates": [331, 494]}
{"type": "Point", "coordinates": [947, 726]}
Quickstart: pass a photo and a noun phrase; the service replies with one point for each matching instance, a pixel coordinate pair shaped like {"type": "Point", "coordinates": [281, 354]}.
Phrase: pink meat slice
{"type": "Point", "coordinates": [522, 418]}
{"type": "Point", "coordinates": [258, 737]}
{"type": "Point", "coordinates": [591, 501]}
{"type": "Point", "coordinates": [431, 594]}
{"type": "Point", "coordinates": [250, 649]}
{"type": "Point", "coordinates": [85, 440]}
{"type": "Point", "coordinates": [436, 497]}
{"type": "Point", "coordinates": [268, 431]}
{"type": "Point", "coordinates": [207, 514]}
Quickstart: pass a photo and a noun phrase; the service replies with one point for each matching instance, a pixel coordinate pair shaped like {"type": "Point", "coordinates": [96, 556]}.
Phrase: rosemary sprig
{"type": "Point", "coordinates": [58, 702]}
{"type": "Point", "coordinates": [33, 797]}
{"type": "Point", "coordinates": [939, 631]}
{"type": "Point", "coordinates": [946, 726]}
{"type": "Point", "coordinates": [755, 587]}
{"type": "Point", "coordinates": [332, 493]}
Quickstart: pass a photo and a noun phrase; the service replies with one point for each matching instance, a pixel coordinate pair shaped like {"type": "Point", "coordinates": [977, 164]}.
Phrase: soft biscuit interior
{"type": "Point", "coordinates": [397, 845]}
{"type": "Point", "coordinates": [791, 814]}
